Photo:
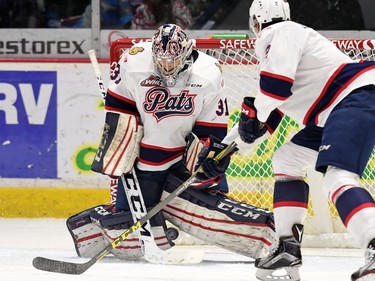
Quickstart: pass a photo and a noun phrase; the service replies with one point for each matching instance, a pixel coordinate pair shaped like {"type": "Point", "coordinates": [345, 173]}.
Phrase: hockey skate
{"type": "Point", "coordinates": [367, 272]}
{"type": "Point", "coordinates": [283, 262]}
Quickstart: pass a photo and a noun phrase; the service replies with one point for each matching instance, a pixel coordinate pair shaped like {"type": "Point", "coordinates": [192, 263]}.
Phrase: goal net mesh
{"type": "Point", "coordinates": [250, 176]}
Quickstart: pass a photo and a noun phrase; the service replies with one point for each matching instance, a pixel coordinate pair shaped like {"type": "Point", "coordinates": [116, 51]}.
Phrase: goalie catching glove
{"type": "Point", "coordinates": [207, 166]}
{"type": "Point", "coordinates": [250, 128]}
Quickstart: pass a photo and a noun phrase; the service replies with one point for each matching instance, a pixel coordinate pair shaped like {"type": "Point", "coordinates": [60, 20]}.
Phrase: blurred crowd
{"type": "Point", "coordinates": [189, 14]}
{"type": "Point", "coordinates": [124, 14]}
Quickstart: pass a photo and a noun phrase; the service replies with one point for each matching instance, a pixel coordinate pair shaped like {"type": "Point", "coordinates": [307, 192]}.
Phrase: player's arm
{"type": "Point", "coordinates": [280, 53]}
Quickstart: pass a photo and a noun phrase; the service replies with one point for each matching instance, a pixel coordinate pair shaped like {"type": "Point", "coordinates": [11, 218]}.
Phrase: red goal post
{"type": "Point", "coordinates": [250, 176]}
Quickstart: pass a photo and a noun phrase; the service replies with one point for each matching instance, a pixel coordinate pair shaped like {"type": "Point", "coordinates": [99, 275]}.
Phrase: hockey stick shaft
{"type": "Point", "coordinates": [79, 268]}
{"type": "Point", "coordinates": [98, 74]}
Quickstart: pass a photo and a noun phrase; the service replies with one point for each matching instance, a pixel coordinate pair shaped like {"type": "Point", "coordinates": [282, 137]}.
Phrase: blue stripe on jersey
{"type": "Point", "coordinates": [343, 76]}
{"type": "Point", "coordinates": [352, 201]}
{"type": "Point", "coordinates": [119, 103]}
{"type": "Point", "coordinates": [294, 193]}
{"type": "Point", "coordinates": [204, 129]}
{"type": "Point", "coordinates": [275, 86]}
{"type": "Point", "coordinates": [157, 156]}
{"type": "Point", "coordinates": [274, 120]}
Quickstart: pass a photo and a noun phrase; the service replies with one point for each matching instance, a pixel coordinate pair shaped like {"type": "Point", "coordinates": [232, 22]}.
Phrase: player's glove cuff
{"type": "Point", "coordinates": [249, 127]}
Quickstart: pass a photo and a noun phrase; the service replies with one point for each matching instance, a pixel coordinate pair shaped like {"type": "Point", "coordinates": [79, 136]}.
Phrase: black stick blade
{"type": "Point", "coordinates": [61, 266]}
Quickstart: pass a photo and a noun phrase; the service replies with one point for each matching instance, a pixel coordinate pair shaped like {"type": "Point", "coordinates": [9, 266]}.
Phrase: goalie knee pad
{"type": "Point", "coordinates": [218, 220]}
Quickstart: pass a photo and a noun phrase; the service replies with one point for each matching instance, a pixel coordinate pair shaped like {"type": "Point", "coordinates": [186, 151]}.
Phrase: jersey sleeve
{"type": "Point", "coordinates": [213, 119]}
{"type": "Point", "coordinates": [279, 50]}
{"type": "Point", "coordinates": [119, 98]}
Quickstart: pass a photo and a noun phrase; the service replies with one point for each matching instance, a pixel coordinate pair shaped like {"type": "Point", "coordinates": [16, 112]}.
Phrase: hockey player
{"type": "Point", "coordinates": [303, 75]}
{"type": "Point", "coordinates": [164, 99]}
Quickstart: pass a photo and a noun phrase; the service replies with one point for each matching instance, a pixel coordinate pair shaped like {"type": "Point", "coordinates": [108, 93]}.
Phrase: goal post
{"type": "Point", "coordinates": [250, 176]}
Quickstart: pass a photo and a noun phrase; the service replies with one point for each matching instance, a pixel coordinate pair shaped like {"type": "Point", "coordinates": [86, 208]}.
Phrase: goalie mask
{"type": "Point", "coordinates": [171, 50]}
{"type": "Point", "coordinates": [266, 11]}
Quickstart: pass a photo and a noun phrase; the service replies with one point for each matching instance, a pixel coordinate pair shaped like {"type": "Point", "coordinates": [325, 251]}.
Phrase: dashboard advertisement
{"type": "Point", "coordinates": [51, 117]}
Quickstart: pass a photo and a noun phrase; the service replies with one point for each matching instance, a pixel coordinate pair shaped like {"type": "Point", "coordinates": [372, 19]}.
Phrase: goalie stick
{"type": "Point", "coordinates": [98, 74]}
{"type": "Point", "coordinates": [151, 251]}
{"type": "Point", "coordinates": [65, 267]}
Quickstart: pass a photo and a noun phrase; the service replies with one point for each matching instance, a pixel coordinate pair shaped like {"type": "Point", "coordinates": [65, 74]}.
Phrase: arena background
{"type": "Point", "coordinates": [51, 111]}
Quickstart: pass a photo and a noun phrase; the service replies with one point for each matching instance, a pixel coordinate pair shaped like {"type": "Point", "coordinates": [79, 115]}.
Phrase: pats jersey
{"type": "Point", "coordinates": [195, 104]}
{"type": "Point", "coordinates": [303, 74]}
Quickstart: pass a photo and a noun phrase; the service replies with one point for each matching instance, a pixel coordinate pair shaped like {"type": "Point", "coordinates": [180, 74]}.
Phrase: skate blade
{"type": "Point", "coordinates": [285, 273]}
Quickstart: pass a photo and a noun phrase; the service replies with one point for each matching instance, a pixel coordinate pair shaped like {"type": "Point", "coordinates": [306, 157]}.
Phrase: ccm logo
{"type": "Point", "coordinates": [238, 211]}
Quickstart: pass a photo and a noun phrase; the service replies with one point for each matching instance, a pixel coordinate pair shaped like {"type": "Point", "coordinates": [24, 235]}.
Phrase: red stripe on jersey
{"type": "Point", "coordinates": [161, 147]}
{"type": "Point", "coordinates": [290, 204]}
{"type": "Point", "coordinates": [277, 76]}
{"type": "Point", "coordinates": [162, 162]}
{"type": "Point", "coordinates": [339, 191]}
{"type": "Point", "coordinates": [276, 97]}
{"type": "Point", "coordinates": [209, 124]}
{"type": "Point", "coordinates": [356, 210]}
{"type": "Point", "coordinates": [343, 87]}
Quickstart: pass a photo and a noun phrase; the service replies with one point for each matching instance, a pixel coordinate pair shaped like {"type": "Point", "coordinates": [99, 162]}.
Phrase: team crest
{"type": "Point", "coordinates": [135, 50]}
{"type": "Point", "coordinates": [151, 81]}
{"type": "Point", "coordinates": [162, 104]}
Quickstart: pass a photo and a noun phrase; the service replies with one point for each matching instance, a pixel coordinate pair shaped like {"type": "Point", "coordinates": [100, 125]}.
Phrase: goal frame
{"type": "Point", "coordinates": [322, 218]}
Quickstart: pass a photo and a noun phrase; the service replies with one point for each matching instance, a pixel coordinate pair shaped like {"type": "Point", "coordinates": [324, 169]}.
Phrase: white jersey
{"type": "Point", "coordinates": [195, 104]}
{"type": "Point", "coordinates": [303, 74]}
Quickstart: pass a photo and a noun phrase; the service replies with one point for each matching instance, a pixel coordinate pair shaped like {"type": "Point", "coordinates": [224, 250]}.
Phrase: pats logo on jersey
{"type": "Point", "coordinates": [162, 104]}
{"type": "Point", "coordinates": [151, 81]}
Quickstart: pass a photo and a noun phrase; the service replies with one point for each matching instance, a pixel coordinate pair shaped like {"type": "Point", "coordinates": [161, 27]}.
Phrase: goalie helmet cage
{"type": "Point", "coordinates": [250, 176]}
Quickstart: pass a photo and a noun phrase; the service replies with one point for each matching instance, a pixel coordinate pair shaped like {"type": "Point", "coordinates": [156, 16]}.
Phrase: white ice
{"type": "Point", "coordinates": [23, 239]}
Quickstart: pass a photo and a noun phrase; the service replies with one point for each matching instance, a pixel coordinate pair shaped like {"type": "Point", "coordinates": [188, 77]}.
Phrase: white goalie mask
{"type": "Point", "coordinates": [171, 51]}
{"type": "Point", "coordinates": [266, 11]}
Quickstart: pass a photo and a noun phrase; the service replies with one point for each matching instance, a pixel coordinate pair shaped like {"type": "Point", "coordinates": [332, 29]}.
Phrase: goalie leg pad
{"type": "Point", "coordinates": [119, 146]}
{"type": "Point", "coordinates": [218, 220]}
{"type": "Point", "coordinates": [115, 223]}
{"type": "Point", "coordinates": [90, 237]}
{"type": "Point", "coordinates": [87, 236]}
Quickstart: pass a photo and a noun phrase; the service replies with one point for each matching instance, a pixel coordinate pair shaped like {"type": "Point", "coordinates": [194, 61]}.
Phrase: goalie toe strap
{"type": "Point", "coordinates": [216, 219]}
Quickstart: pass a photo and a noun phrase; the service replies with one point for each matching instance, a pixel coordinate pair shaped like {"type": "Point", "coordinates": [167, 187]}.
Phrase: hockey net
{"type": "Point", "coordinates": [250, 176]}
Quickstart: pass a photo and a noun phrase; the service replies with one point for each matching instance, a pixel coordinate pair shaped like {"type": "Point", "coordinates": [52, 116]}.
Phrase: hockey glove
{"type": "Point", "coordinates": [249, 127]}
{"type": "Point", "coordinates": [209, 167]}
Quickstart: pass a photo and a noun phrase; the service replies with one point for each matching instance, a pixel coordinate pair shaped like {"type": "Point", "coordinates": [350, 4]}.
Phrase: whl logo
{"type": "Point", "coordinates": [151, 81]}
{"type": "Point", "coordinates": [162, 104]}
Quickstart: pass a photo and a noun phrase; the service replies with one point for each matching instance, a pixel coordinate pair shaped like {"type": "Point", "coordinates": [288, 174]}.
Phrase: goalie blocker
{"type": "Point", "coordinates": [209, 216]}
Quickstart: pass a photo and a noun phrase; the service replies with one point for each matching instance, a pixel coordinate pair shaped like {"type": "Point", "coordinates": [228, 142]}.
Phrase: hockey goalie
{"type": "Point", "coordinates": [166, 113]}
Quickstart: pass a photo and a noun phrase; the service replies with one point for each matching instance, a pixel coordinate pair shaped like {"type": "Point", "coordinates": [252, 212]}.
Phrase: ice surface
{"type": "Point", "coordinates": [23, 239]}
